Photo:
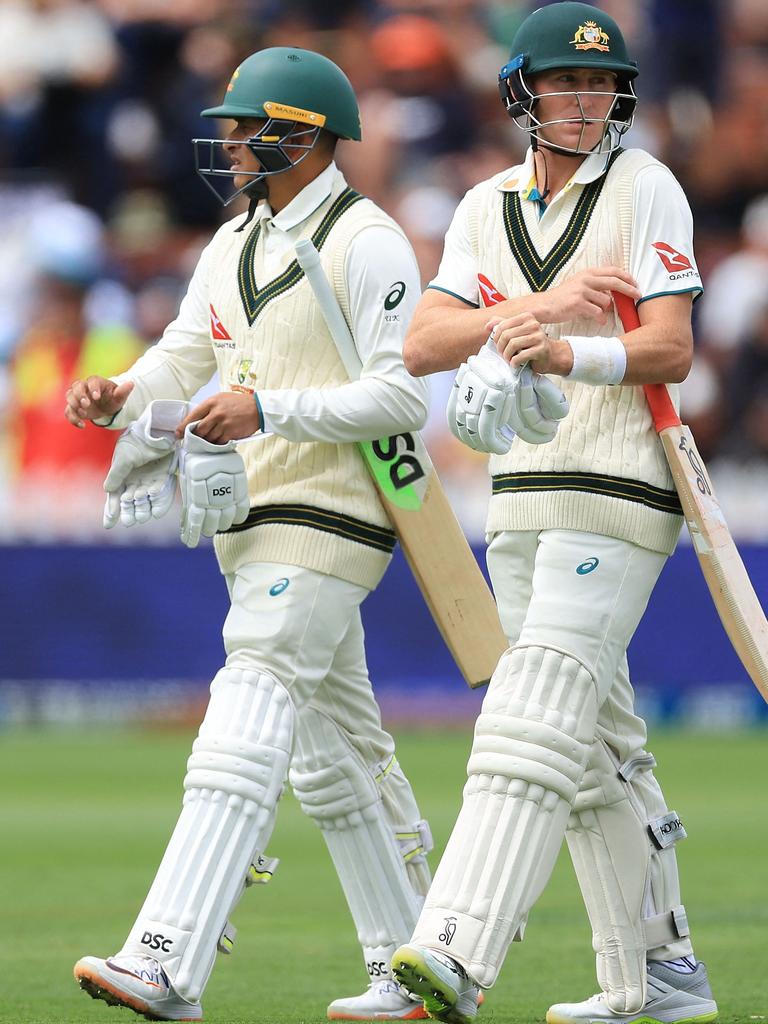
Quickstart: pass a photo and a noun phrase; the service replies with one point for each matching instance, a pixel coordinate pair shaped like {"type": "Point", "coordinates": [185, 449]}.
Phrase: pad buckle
{"type": "Point", "coordinates": [641, 762]}
{"type": "Point", "coordinates": [417, 844]}
{"type": "Point", "coordinates": [666, 830]}
{"type": "Point", "coordinates": [226, 941]}
{"type": "Point", "coordinates": [261, 870]}
{"type": "Point", "coordinates": [665, 928]}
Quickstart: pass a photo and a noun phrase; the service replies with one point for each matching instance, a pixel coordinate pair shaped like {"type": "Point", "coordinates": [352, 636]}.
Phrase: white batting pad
{"type": "Point", "coordinates": [338, 790]}
{"type": "Point", "coordinates": [621, 839]}
{"type": "Point", "coordinates": [234, 779]}
{"type": "Point", "coordinates": [528, 757]}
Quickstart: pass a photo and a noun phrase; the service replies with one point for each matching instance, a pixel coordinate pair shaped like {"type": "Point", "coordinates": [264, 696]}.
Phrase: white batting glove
{"type": "Point", "coordinates": [539, 405]}
{"type": "Point", "coordinates": [214, 487]}
{"type": "Point", "coordinates": [147, 442]}
{"type": "Point", "coordinates": [148, 493]}
{"type": "Point", "coordinates": [481, 402]}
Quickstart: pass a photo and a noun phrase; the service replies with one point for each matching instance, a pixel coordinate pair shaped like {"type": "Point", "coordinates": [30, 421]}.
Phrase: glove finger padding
{"type": "Point", "coordinates": [463, 406]}
{"type": "Point", "coordinates": [111, 516]}
{"type": "Point", "coordinates": [192, 520]}
{"type": "Point", "coordinates": [494, 431]}
{"type": "Point", "coordinates": [149, 491]}
{"type": "Point", "coordinates": [214, 487]}
{"type": "Point", "coordinates": [527, 419]}
{"type": "Point", "coordinates": [552, 402]}
{"type": "Point", "coordinates": [480, 403]}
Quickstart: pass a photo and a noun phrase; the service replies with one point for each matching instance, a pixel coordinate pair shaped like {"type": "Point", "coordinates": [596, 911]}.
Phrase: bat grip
{"type": "Point", "coordinates": [657, 395]}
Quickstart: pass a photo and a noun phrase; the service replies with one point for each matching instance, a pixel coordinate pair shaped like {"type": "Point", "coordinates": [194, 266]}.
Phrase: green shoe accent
{"type": "Point", "coordinates": [412, 972]}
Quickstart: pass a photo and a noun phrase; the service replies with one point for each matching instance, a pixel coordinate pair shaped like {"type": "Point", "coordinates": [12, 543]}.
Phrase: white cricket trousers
{"type": "Point", "coordinates": [304, 627]}
{"type": "Point", "coordinates": [589, 590]}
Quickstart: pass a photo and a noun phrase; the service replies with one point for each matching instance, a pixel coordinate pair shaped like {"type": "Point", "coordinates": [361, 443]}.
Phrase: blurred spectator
{"type": "Point", "coordinates": [58, 58]}
{"type": "Point", "coordinates": [49, 461]}
{"type": "Point", "coordinates": [736, 289]}
{"type": "Point", "coordinates": [747, 392]}
{"type": "Point", "coordinates": [421, 111]}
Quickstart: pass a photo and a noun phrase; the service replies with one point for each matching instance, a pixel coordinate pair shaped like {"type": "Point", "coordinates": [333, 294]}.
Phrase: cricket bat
{"type": "Point", "coordinates": [433, 543]}
{"type": "Point", "coordinates": [734, 596]}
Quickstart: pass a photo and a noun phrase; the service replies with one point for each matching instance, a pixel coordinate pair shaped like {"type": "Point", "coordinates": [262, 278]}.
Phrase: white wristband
{"type": "Point", "coordinates": [597, 360]}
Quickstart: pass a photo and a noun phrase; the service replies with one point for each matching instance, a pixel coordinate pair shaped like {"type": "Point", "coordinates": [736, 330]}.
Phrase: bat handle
{"type": "Point", "coordinates": [657, 395]}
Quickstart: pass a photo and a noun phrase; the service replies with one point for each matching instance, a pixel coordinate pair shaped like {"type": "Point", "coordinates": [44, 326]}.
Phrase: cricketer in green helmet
{"type": "Point", "coordinates": [582, 516]}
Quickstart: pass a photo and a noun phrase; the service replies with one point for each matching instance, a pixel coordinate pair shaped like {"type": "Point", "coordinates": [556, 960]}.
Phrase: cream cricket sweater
{"type": "Point", "coordinates": [605, 472]}
{"type": "Point", "coordinates": [313, 503]}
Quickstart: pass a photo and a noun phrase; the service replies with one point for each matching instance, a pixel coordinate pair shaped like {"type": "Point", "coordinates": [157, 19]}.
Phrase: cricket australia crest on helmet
{"type": "Point", "coordinates": [590, 36]}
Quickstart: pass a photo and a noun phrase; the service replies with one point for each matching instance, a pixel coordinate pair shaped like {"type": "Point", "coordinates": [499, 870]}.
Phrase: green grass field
{"type": "Point", "coordinates": [84, 817]}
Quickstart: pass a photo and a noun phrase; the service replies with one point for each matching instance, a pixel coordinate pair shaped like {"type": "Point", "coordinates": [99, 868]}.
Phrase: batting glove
{"type": "Point", "coordinates": [148, 493]}
{"type": "Point", "coordinates": [538, 407]}
{"type": "Point", "coordinates": [140, 483]}
{"type": "Point", "coordinates": [214, 487]}
{"type": "Point", "coordinates": [481, 402]}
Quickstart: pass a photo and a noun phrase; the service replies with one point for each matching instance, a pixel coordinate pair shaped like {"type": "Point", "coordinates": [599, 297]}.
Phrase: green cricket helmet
{"type": "Point", "coordinates": [298, 94]}
{"type": "Point", "coordinates": [568, 35]}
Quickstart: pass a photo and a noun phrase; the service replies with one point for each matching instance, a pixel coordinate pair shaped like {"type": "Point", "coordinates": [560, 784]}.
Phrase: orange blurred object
{"type": "Point", "coordinates": [410, 42]}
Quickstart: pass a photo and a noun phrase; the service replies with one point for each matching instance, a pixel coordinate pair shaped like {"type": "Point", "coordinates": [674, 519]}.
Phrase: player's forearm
{"type": "Point", "coordinates": [657, 356]}
{"type": "Point", "coordinates": [359, 411]}
{"type": "Point", "coordinates": [443, 337]}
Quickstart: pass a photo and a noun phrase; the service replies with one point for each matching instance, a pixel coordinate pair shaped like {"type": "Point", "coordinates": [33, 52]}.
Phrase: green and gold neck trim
{"type": "Point", "coordinates": [540, 271]}
{"type": "Point", "coordinates": [254, 299]}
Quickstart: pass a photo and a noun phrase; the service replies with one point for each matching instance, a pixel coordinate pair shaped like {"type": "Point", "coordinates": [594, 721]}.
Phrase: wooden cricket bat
{"type": "Point", "coordinates": [734, 596]}
{"type": "Point", "coordinates": [437, 551]}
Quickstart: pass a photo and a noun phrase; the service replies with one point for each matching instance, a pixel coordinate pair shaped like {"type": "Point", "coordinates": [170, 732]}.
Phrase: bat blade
{"type": "Point", "coordinates": [729, 584]}
{"type": "Point", "coordinates": [433, 543]}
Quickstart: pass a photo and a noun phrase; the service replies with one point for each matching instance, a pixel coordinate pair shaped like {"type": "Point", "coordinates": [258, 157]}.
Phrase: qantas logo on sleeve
{"type": "Point", "coordinates": [218, 330]}
{"type": "Point", "coordinates": [674, 260]}
{"type": "Point", "coordinates": [489, 293]}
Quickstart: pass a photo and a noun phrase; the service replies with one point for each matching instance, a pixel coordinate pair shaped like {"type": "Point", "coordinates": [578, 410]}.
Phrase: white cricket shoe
{"type": "Point", "coordinates": [673, 998]}
{"type": "Point", "coordinates": [138, 982]}
{"type": "Point", "coordinates": [448, 992]}
{"type": "Point", "coordinates": [384, 999]}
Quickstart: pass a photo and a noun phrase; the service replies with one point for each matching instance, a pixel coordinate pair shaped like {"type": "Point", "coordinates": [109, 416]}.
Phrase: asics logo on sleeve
{"type": "Point", "coordinates": [395, 295]}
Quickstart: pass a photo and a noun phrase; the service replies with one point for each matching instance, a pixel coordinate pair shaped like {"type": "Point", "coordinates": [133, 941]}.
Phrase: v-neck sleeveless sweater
{"type": "Point", "coordinates": [313, 504]}
{"type": "Point", "coordinates": [605, 471]}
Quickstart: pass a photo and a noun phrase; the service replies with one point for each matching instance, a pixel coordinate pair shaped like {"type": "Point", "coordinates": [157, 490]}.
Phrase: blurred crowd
{"type": "Point", "coordinates": [102, 215]}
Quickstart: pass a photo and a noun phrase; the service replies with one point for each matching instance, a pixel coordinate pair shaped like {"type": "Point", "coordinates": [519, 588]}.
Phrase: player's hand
{"type": "Point", "coordinates": [93, 398]}
{"type": "Point", "coordinates": [228, 416]}
{"type": "Point", "coordinates": [521, 339]}
{"type": "Point", "coordinates": [586, 295]}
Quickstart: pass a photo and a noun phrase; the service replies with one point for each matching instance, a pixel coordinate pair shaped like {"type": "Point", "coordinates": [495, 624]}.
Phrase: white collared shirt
{"type": "Point", "coordinates": [662, 218]}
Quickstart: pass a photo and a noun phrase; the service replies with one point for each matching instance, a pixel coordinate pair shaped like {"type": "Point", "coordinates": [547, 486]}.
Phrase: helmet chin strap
{"type": "Point", "coordinates": [255, 192]}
